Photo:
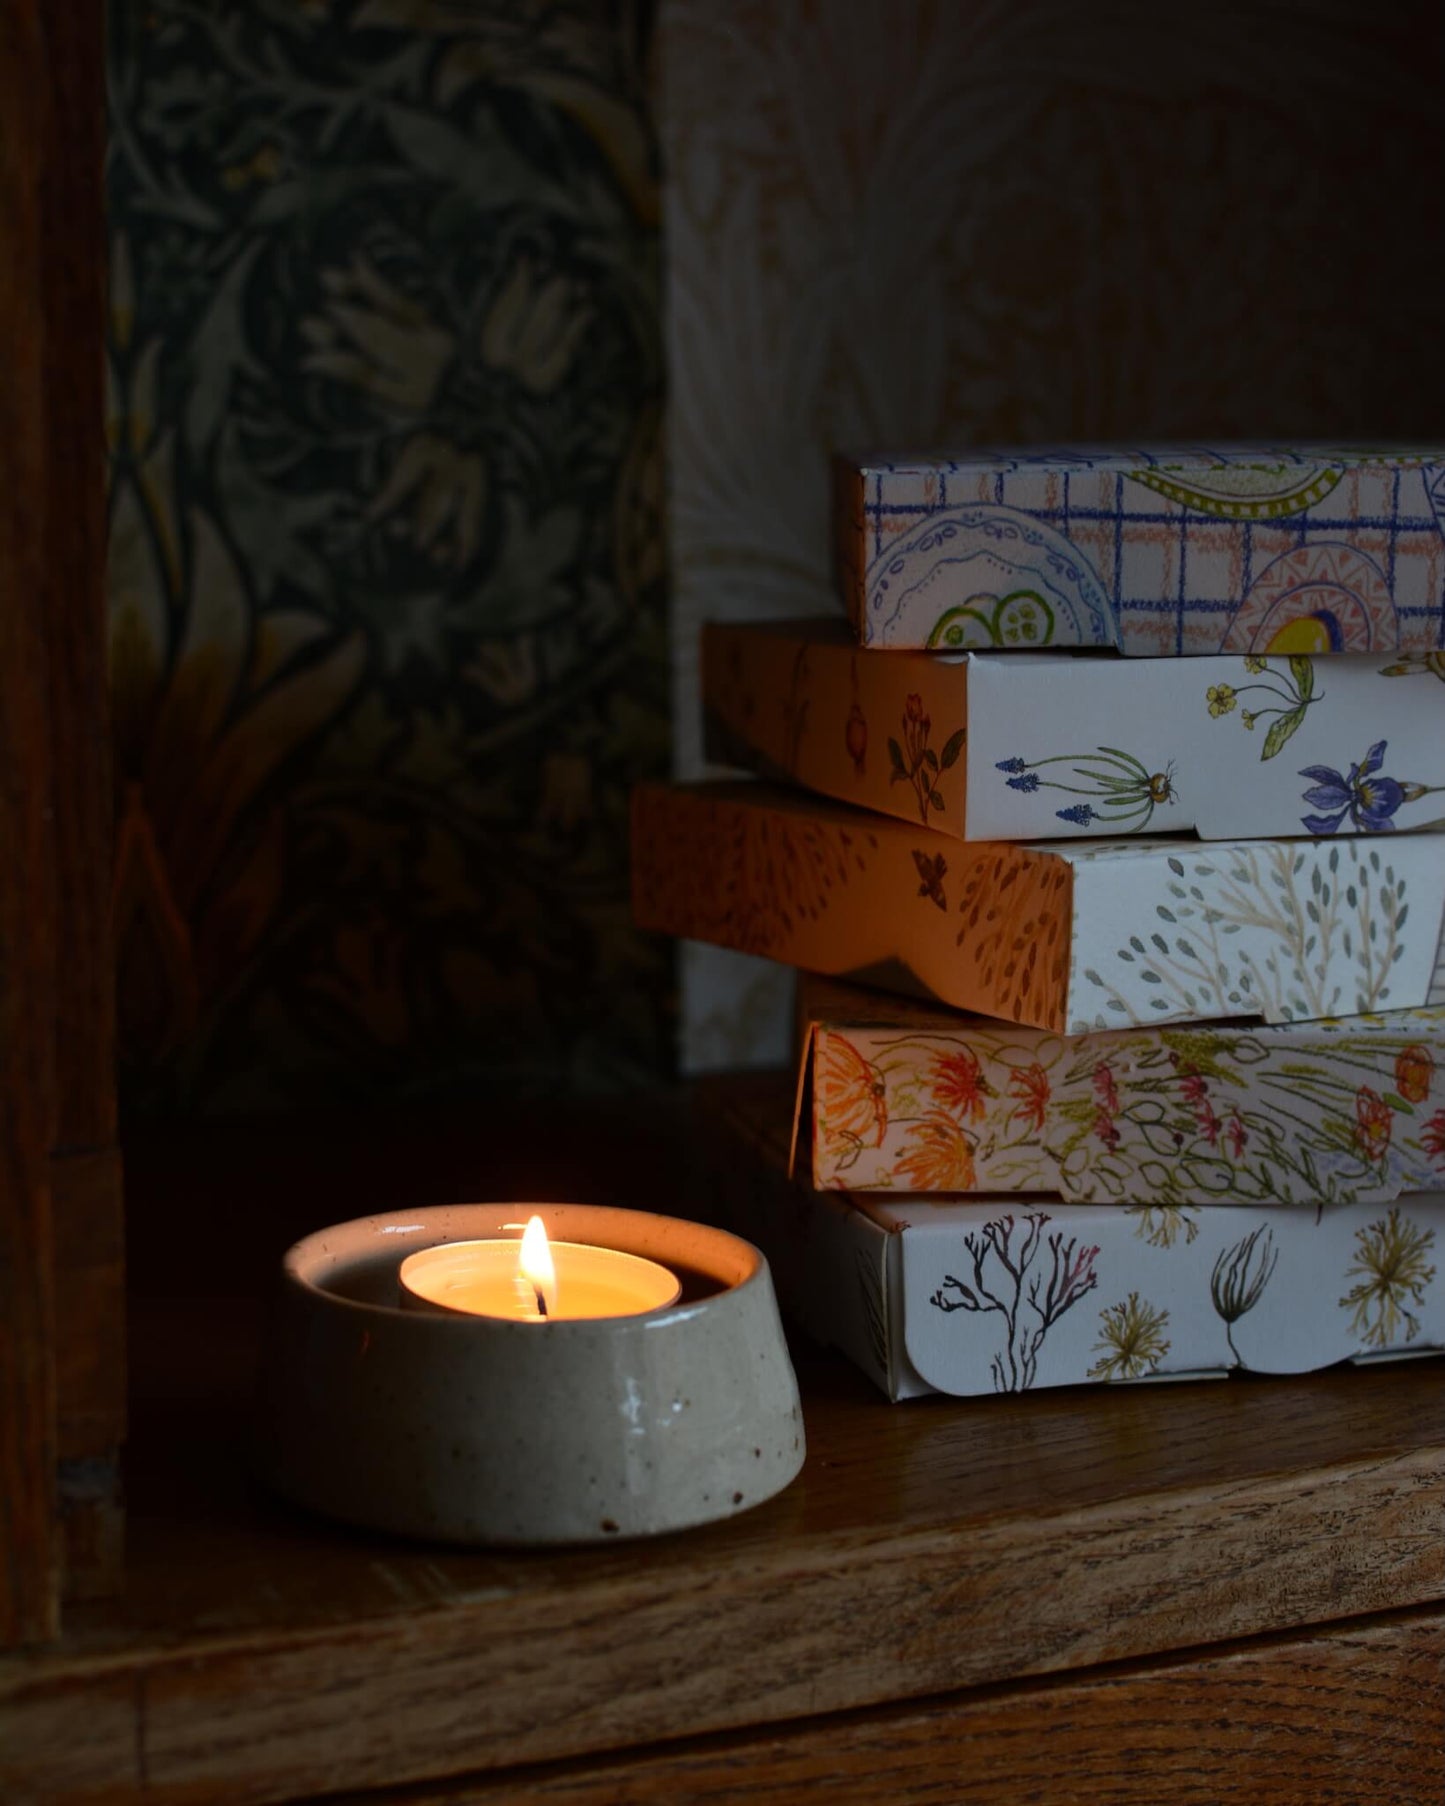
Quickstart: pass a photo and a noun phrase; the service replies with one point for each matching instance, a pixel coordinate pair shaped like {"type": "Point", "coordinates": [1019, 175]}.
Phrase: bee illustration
{"type": "Point", "coordinates": [931, 869]}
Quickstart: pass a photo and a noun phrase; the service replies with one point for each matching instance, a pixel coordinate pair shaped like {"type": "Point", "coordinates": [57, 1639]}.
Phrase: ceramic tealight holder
{"type": "Point", "coordinates": [384, 1411]}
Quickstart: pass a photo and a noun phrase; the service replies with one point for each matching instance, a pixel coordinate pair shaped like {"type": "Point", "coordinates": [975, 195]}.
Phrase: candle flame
{"type": "Point", "coordinates": [534, 1265]}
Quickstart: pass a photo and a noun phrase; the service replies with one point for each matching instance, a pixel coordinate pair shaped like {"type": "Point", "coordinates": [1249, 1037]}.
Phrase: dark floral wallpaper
{"type": "Point", "coordinates": [387, 571]}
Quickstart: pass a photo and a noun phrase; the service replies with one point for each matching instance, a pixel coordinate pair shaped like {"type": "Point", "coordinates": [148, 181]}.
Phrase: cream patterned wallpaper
{"type": "Point", "coordinates": [1006, 221]}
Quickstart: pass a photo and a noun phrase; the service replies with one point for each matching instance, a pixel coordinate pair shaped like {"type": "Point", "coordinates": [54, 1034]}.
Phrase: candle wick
{"type": "Point", "coordinates": [541, 1301]}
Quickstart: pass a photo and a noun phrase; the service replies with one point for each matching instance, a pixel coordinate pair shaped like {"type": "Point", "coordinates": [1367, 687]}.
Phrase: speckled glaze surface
{"type": "Point", "coordinates": [476, 1430]}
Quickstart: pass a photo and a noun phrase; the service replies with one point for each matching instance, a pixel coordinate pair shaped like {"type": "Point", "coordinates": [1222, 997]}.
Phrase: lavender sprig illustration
{"type": "Point", "coordinates": [1125, 792]}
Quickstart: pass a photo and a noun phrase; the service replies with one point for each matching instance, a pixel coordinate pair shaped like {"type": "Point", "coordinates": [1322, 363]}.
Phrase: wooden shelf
{"type": "Point", "coordinates": [258, 1654]}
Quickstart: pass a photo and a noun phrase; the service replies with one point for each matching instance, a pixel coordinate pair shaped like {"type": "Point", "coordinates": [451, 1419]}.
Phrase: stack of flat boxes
{"type": "Point", "coordinates": [1131, 768]}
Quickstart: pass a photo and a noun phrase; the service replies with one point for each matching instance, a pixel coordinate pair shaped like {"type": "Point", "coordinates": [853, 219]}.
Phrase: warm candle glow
{"type": "Point", "coordinates": [535, 1280]}
{"type": "Point", "coordinates": [535, 1269]}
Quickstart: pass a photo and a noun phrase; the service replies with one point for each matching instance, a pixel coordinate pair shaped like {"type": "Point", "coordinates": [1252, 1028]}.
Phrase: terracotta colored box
{"type": "Point", "coordinates": [1153, 552]}
{"type": "Point", "coordinates": [910, 1098]}
{"type": "Point", "coordinates": [1074, 936]}
{"type": "Point", "coordinates": [994, 746]}
{"type": "Point", "coordinates": [1007, 1294]}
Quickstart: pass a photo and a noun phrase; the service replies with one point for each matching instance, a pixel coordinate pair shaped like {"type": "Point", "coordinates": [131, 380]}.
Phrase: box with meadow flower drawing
{"type": "Point", "coordinates": [1006, 1294]}
{"type": "Point", "coordinates": [1154, 553]}
{"type": "Point", "coordinates": [1008, 746]}
{"type": "Point", "coordinates": [907, 1098]}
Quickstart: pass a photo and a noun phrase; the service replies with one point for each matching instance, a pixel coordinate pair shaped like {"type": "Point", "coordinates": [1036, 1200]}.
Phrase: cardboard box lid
{"type": "Point", "coordinates": [1068, 935]}
{"type": "Point", "coordinates": [1056, 1294]}
{"type": "Point", "coordinates": [1068, 744]}
{"type": "Point", "coordinates": [914, 1096]}
{"type": "Point", "coordinates": [1261, 460]}
{"type": "Point", "coordinates": [1160, 552]}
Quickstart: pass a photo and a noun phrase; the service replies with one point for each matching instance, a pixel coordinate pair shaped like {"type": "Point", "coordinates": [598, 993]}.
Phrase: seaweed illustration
{"type": "Point", "coordinates": [919, 765]}
{"type": "Point", "coordinates": [1131, 1341]}
{"type": "Point", "coordinates": [1161, 1225]}
{"type": "Point", "coordinates": [1353, 909]}
{"type": "Point", "coordinates": [1125, 792]}
{"type": "Point", "coordinates": [1240, 1276]}
{"type": "Point", "coordinates": [1029, 1302]}
{"type": "Point", "coordinates": [1291, 696]}
{"type": "Point", "coordinates": [1390, 1259]}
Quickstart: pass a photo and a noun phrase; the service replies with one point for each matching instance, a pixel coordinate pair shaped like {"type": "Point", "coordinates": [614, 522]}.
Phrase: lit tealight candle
{"type": "Point", "coordinates": [535, 1280]}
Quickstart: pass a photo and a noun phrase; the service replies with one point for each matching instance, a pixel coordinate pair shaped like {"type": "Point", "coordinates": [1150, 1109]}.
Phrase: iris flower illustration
{"type": "Point", "coordinates": [1369, 800]}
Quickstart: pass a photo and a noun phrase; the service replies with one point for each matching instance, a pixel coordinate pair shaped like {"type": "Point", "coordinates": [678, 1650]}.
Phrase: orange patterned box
{"type": "Point", "coordinates": [1070, 936]}
{"type": "Point", "coordinates": [1156, 553]}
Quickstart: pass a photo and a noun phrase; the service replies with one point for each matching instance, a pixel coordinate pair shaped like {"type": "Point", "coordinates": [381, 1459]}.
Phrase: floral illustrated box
{"type": "Point", "coordinates": [1002, 746]}
{"type": "Point", "coordinates": [1005, 1294]}
{"type": "Point", "coordinates": [909, 1098]}
{"type": "Point", "coordinates": [1154, 553]}
{"type": "Point", "coordinates": [1073, 936]}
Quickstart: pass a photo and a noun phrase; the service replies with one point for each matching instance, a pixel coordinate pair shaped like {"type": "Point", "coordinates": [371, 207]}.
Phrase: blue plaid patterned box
{"type": "Point", "coordinates": [1153, 553]}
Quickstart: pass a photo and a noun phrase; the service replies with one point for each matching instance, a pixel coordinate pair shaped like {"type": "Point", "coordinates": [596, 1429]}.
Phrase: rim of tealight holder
{"type": "Point", "coordinates": [478, 1429]}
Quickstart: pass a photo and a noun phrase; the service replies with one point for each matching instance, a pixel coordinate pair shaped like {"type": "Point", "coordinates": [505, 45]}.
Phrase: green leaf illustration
{"type": "Point", "coordinates": [1281, 730]}
{"type": "Point", "coordinates": [936, 798]}
{"type": "Point", "coordinates": [952, 747]}
{"type": "Point", "coordinates": [1304, 677]}
{"type": "Point", "coordinates": [895, 754]}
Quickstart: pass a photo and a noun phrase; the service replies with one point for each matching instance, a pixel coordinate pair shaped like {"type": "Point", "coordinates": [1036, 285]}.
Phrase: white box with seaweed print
{"type": "Point", "coordinates": [1007, 1294]}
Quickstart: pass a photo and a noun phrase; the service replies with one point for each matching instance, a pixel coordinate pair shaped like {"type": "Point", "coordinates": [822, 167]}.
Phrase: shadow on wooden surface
{"type": "Point", "coordinates": [259, 1654]}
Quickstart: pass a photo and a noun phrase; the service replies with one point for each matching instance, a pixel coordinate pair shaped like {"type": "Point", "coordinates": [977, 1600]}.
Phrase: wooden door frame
{"type": "Point", "coordinates": [59, 1169]}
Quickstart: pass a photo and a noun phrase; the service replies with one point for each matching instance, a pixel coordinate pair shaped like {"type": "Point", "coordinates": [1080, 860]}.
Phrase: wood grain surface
{"type": "Point", "coordinates": [260, 1655]}
{"type": "Point", "coordinates": [1353, 1714]}
{"type": "Point", "coordinates": [28, 1550]}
